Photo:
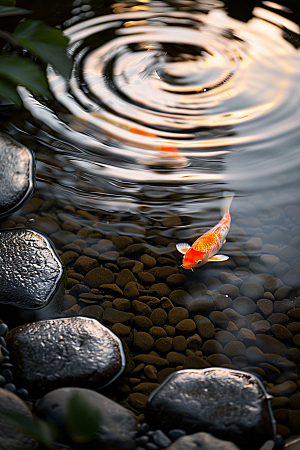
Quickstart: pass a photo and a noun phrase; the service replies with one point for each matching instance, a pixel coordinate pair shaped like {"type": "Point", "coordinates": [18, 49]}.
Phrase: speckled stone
{"type": "Point", "coordinates": [177, 314]}
{"type": "Point", "coordinates": [124, 277]}
{"type": "Point", "coordinates": [143, 342]}
{"type": "Point", "coordinates": [30, 269]}
{"type": "Point", "coordinates": [176, 280]}
{"type": "Point", "coordinates": [130, 290]}
{"type": "Point", "coordinates": [142, 323]}
{"type": "Point", "coordinates": [179, 297]}
{"type": "Point", "coordinates": [77, 351]}
{"type": "Point", "coordinates": [205, 327]}
{"type": "Point", "coordinates": [117, 427]}
{"type": "Point", "coordinates": [196, 407]}
{"type": "Point", "coordinates": [281, 332]}
{"type": "Point", "coordinates": [159, 317]}
{"type": "Point", "coordinates": [17, 172]}
{"type": "Point", "coordinates": [84, 264]}
{"type": "Point", "coordinates": [265, 306]}
{"type": "Point", "coordinates": [185, 327]}
{"type": "Point", "coordinates": [163, 273]}
{"type": "Point", "coordinates": [100, 275]}
{"type": "Point", "coordinates": [112, 315]}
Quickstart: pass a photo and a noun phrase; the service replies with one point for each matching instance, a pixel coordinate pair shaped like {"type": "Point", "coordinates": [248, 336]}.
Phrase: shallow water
{"type": "Point", "coordinates": [169, 106]}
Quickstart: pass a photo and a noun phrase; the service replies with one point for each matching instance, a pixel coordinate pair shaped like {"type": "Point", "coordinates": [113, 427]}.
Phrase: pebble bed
{"type": "Point", "coordinates": [241, 314]}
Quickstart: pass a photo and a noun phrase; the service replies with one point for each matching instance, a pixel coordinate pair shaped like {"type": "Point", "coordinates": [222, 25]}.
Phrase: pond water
{"type": "Point", "coordinates": [171, 104]}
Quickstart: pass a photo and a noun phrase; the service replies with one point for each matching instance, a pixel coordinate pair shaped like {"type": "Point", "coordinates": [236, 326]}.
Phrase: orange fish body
{"type": "Point", "coordinates": [204, 249]}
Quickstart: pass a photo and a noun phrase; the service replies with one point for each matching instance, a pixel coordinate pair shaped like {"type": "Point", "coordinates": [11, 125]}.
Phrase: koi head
{"type": "Point", "coordinates": [193, 258]}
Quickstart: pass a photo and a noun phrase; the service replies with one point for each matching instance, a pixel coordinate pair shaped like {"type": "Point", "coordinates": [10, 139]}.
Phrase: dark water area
{"type": "Point", "coordinates": [169, 106]}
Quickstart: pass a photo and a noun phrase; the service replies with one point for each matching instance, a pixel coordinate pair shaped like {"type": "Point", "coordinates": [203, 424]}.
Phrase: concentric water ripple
{"type": "Point", "coordinates": [162, 101]}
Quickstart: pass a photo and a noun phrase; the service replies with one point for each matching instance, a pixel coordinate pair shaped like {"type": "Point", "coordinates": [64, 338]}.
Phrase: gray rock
{"type": "Point", "coordinates": [30, 269]}
{"type": "Point", "coordinates": [17, 171]}
{"type": "Point", "coordinates": [188, 397]}
{"type": "Point", "coordinates": [9, 436]}
{"type": "Point", "coordinates": [201, 441]}
{"type": "Point", "coordinates": [117, 428]}
{"type": "Point", "coordinates": [76, 351]}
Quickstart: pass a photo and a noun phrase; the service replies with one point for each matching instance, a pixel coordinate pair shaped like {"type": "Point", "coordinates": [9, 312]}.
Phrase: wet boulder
{"type": "Point", "coordinates": [9, 436]}
{"type": "Point", "coordinates": [117, 427]}
{"type": "Point", "coordinates": [208, 400]}
{"type": "Point", "coordinates": [17, 171]}
{"type": "Point", "coordinates": [76, 351]}
{"type": "Point", "coordinates": [30, 271]}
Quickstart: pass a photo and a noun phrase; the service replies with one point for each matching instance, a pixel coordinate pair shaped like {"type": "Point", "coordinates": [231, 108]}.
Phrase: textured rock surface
{"type": "Point", "coordinates": [189, 397]}
{"type": "Point", "coordinates": [77, 351]}
{"type": "Point", "coordinates": [9, 436]}
{"type": "Point", "coordinates": [118, 426]}
{"type": "Point", "coordinates": [201, 441]}
{"type": "Point", "coordinates": [16, 175]}
{"type": "Point", "coordinates": [30, 269]}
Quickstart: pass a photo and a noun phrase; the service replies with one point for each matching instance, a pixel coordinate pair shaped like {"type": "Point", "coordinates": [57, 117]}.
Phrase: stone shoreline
{"type": "Point", "coordinates": [243, 314]}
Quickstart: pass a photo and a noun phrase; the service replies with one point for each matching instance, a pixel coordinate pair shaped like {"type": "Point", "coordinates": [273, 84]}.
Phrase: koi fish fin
{"type": "Point", "coordinates": [228, 197]}
{"type": "Point", "coordinates": [218, 258]}
{"type": "Point", "coordinates": [224, 241]}
{"type": "Point", "coordinates": [183, 247]}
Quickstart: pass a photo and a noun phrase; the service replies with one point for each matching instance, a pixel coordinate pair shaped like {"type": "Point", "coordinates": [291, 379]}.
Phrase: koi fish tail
{"type": "Point", "coordinates": [227, 200]}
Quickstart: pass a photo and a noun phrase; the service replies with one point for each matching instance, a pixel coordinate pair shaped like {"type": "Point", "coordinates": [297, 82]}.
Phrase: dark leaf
{"type": "Point", "coordinates": [42, 431]}
{"type": "Point", "coordinates": [7, 2]}
{"type": "Point", "coordinates": [12, 11]}
{"type": "Point", "coordinates": [83, 420]}
{"type": "Point", "coordinates": [47, 43]}
{"type": "Point", "coordinates": [20, 71]}
{"type": "Point", "coordinates": [9, 91]}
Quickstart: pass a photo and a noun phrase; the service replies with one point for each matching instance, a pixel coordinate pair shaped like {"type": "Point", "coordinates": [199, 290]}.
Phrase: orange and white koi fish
{"type": "Point", "coordinates": [204, 249]}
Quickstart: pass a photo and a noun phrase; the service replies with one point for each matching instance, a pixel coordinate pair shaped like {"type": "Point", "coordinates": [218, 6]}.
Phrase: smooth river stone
{"type": "Point", "coordinates": [227, 403]}
{"type": "Point", "coordinates": [9, 436]}
{"type": "Point", "coordinates": [17, 173]}
{"type": "Point", "coordinates": [75, 351]}
{"type": "Point", "coordinates": [117, 427]}
{"type": "Point", "coordinates": [30, 270]}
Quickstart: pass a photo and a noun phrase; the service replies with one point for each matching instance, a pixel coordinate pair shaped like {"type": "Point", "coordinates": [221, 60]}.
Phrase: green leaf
{"type": "Point", "coordinates": [20, 71]}
{"type": "Point", "coordinates": [83, 420]}
{"type": "Point", "coordinates": [44, 432]}
{"type": "Point", "coordinates": [47, 43]}
{"type": "Point", "coordinates": [8, 91]}
{"type": "Point", "coordinates": [12, 11]}
{"type": "Point", "coordinates": [7, 2]}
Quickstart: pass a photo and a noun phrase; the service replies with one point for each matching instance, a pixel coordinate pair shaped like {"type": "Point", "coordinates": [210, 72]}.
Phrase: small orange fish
{"type": "Point", "coordinates": [204, 249]}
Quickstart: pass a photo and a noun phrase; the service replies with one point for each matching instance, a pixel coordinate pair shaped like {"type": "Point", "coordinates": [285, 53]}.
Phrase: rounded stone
{"type": "Point", "coordinates": [175, 358]}
{"type": "Point", "coordinates": [90, 354]}
{"type": "Point", "coordinates": [124, 277]}
{"type": "Point", "coordinates": [201, 305]}
{"type": "Point", "coordinates": [163, 273]}
{"type": "Point", "coordinates": [185, 326]}
{"type": "Point", "coordinates": [218, 319]}
{"type": "Point", "coordinates": [222, 302]}
{"type": "Point", "coordinates": [265, 306]}
{"type": "Point", "coordinates": [224, 337]}
{"type": "Point", "coordinates": [138, 401]}
{"type": "Point", "coordinates": [279, 318]}
{"type": "Point", "coordinates": [246, 336]}
{"type": "Point", "coordinates": [282, 293]}
{"type": "Point", "coordinates": [148, 261]}
{"type": "Point", "coordinates": [157, 332]}
{"type": "Point", "coordinates": [179, 297]}
{"type": "Point", "coordinates": [121, 304]}
{"type": "Point", "coordinates": [218, 360]}
{"type": "Point", "coordinates": [176, 280]}
{"type": "Point", "coordinates": [293, 354]}
{"type": "Point", "coordinates": [260, 326]}
{"type": "Point", "coordinates": [294, 327]}
{"type": "Point", "coordinates": [230, 290]}
{"type": "Point", "coordinates": [159, 317]}
{"type": "Point", "coordinates": [146, 278]}
{"type": "Point", "coordinates": [294, 401]}
{"type": "Point", "coordinates": [177, 314]}
{"type": "Point", "coordinates": [281, 332]}
{"type": "Point", "coordinates": [121, 330]}
{"type": "Point", "coordinates": [93, 311]}
{"type": "Point", "coordinates": [141, 309]}
{"type": "Point", "coordinates": [269, 344]}
{"type": "Point", "coordinates": [122, 242]}
{"type": "Point", "coordinates": [235, 348]}
{"type": "Point", "coordinates": [252, 290]}
{"type": "Point", "coordinates": [205, 327]}
{"type": "Point", "coordinates": [194, 342]}
{"type": "Point", "coordinates": [273, 284]}
{"type": "Point", "coordinates": [195, 362]}
{"type": "Point", "coordinates": [161, 290]}
{"type": "Point", "coordinates": [142, 323]}
{"type": "Point", "coordinates": [179, 344]}
{"type": "Point", "coordinates": [84, 264]}
{"type": "Point", "coordinates": [244, 305]}
{"type": "Point", "coordinates": [163, 345]}
{"type": "Point", "coordinates": [211, 346]}
{"type": "Point", "coordinates": [143, 342]}
{"type": "Point", "coordinates": [292, 277]}
{"type": "Point", "coordinates": [235, 317]}
{"type": "Point", "coordinates": [100, 275]}
{"type": "Point", "coordinates": [285, 389]}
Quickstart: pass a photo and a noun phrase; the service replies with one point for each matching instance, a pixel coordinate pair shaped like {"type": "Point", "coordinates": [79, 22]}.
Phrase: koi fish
{"type": "Point", "coordinates": [204, 249]}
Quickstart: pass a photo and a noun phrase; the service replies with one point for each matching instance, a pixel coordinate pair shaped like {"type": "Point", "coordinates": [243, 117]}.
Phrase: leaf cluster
{"type": "Point", "coordinates": [31, 42]}
{"type": "Point", "coordinates": [82, 423]}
